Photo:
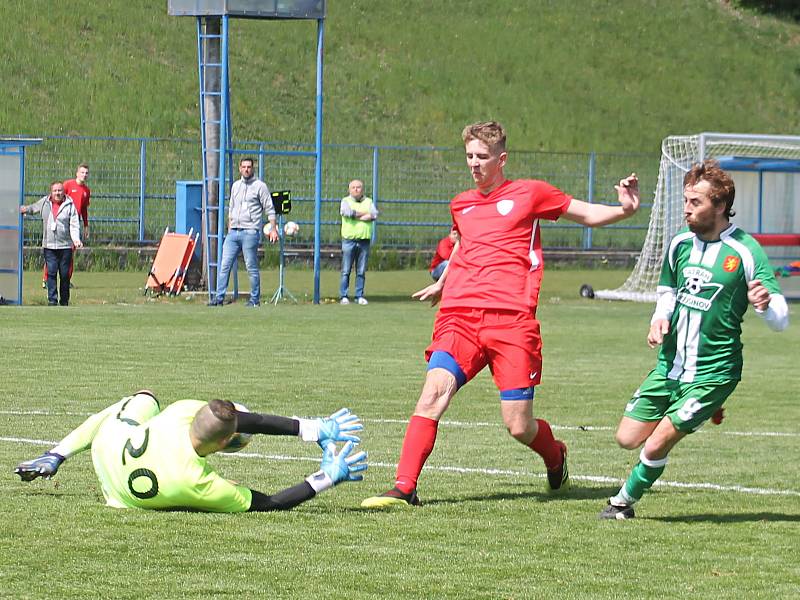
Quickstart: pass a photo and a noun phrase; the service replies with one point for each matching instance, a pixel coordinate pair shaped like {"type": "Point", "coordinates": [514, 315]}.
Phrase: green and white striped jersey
{"type": "Point", "coordinates": [709, 282]}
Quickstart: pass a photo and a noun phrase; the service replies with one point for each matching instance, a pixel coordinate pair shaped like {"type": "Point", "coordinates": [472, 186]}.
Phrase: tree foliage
{"type": "Point", "coordinates": [779, 8]}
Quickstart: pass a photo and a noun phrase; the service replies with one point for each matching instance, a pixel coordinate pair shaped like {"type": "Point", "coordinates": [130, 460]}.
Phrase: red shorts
{"type": "Point", "coordinates": [508, 341]}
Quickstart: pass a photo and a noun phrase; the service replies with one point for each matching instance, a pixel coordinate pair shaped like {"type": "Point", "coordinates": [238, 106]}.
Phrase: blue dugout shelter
{"type": "Point", "coordinates": [12, 196]}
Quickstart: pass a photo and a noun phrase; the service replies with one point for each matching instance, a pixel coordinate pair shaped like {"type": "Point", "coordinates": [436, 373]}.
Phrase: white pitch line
{"type": "Point", "coordinates": [482, 471]}
{"type": "Point", "coordinates": [586, 428]}
{"type": "Point", "coordinates": [45, 413]}
{"type": "Point", "coordinates": [447, 423]}
{"type": "Point", "coordinates": [28, 441]}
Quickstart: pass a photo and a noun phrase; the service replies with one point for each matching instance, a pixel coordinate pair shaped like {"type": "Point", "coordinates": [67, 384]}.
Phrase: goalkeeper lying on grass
{"type": "Point", "coordinates": [150, 459]}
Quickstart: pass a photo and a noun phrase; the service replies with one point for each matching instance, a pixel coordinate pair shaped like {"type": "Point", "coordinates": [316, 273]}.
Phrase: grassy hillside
{"type": "Point", "coordinates": [580, 75]}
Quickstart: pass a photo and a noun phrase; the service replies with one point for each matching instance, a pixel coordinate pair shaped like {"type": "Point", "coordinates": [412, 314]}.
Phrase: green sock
{"type": "Point", "coordinates": [641, 479]}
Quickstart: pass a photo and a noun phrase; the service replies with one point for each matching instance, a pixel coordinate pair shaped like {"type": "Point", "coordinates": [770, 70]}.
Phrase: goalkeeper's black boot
{"type": "Point", "coordinates": [392, 498]}
{"type": "Point", "coordinates": [620, 513]}
{"type": "Point", "coordinates": [558, 478]}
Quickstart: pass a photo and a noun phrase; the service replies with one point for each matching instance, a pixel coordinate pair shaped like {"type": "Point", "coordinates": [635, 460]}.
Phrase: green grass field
{"type": "Point", "coordinates": [723, 523]}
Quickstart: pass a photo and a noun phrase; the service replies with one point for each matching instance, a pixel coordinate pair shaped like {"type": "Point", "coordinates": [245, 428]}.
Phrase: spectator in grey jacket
{"type": "Point", "coordinates": [250, 199]}
{"type": "Point", "coordinates": [61, 233]}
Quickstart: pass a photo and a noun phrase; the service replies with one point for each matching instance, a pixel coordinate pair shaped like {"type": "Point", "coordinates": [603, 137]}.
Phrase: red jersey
{"type": "Point", "coordinates": [79, 192]}
{"type": "Point", "coordinates": [56, 206]}
{"type": "Point", "coordinates": [443, 251]}
{"type": "Point", "coordinates": [499, 262]}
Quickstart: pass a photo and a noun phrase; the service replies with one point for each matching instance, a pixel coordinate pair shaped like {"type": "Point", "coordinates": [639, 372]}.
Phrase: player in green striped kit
{"type": "Point", "coordinates": [153, 459]}
{"type": "Point", "coordinates": [711, 272]}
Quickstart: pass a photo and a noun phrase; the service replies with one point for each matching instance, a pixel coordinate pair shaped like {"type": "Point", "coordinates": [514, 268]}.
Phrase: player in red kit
{"type": "Point", "coordinates": [441, 257]}
{"type": "Point", "coordinates": [80, 194]}
{"type": "Point", "coordinates": [487, 314]}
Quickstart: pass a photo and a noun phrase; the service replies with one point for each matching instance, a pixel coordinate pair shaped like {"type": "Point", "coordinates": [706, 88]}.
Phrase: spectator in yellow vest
{"type": "Point", "coordinates": [358, 218]}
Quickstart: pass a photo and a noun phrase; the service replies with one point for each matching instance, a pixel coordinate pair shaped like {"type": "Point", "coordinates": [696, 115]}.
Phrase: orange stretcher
{"type": "Point", "coordinates": [171, 263]}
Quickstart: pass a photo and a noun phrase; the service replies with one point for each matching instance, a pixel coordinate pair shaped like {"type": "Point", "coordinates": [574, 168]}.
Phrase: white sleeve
{"type": "Point", "coordinates": [74, 226]}
{"type": "Point", "coordinates": [777, 313]}
{"type": "Point", "coordinates": [665, 305]}
{"type": "Point", "coordinates": [345, 210]}
{"type": "Point", "coordinates": [308, 431]}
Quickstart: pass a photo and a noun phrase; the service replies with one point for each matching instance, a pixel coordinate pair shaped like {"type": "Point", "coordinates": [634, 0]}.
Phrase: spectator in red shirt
{"type": "Point", "coordinates": [489, 293]}
{"type": "Point", "coordinates": [80, 194]}
{"type": "Point", "coordinates": [442, 256]}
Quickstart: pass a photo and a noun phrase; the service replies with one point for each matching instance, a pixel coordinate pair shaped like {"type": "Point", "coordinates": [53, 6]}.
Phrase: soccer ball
{"type": "Point", "coordinates": [239, 440]}
{"type": "Point", "coordinates": [291, 228]}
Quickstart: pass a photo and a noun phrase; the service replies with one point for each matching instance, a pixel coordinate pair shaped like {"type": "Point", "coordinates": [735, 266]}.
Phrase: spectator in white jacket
{"type": "Point", "coordinates": [61, 234]}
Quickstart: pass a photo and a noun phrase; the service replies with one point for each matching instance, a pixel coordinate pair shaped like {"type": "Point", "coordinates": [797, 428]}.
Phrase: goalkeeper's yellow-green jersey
{"type": "Point", "coordinates": [154, 466]}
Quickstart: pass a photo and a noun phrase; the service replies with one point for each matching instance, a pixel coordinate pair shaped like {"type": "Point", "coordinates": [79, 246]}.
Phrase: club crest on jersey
{"type": "Point", "coordinates": [731, 263]}
{"type": "Point", "coordinates": [698, 291]}
{"type": "Point", "coordinates": [504, 206]}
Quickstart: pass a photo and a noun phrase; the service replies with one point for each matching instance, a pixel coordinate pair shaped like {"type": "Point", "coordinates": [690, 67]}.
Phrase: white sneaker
{"type": "Point", "coordinates": [362, 301]}
{"type": "Point", "coordinates": [344, 301]}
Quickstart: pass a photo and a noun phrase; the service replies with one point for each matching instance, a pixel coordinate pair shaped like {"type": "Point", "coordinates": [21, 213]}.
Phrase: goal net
{"type": "Point", "coordinates": [748, 158]}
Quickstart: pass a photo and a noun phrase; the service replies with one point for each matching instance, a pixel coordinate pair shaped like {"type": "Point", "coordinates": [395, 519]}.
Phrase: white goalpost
{"type": "Point", "coordinates": [766, 172]}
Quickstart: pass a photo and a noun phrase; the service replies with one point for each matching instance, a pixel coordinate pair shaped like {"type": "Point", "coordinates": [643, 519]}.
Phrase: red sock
{"type": "Point", "coordinates": [546, 446]}
{"type": "Point", "coordinates": [417, 446]}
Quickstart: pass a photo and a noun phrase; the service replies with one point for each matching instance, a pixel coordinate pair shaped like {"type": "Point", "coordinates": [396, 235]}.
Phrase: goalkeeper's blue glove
{"type": "Point", "coordinates": [45, 466]}
{"type": "Point", "coordinates": [336, 468]}
{"type": "Point", "coordinates": [343, 467]}
{"type": "Point", "coordinates": [336, 428]}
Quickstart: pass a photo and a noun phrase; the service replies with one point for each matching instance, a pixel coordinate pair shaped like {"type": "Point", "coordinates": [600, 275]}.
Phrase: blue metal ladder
{"type": "Point", "coordinates": [210, 72]}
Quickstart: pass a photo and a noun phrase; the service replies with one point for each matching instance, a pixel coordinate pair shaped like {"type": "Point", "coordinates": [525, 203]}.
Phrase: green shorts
{"type": "Point", "coordinates": [688, 405]}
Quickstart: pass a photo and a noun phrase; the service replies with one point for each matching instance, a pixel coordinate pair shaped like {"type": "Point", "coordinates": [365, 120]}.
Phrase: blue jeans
{"type": "Point", "coordinates": [439, 269]}
{"type": "Point", "coordinates": [246, 241]}
{"type": "Point", "coordinates": [58, 262]}
{"type": "Point", "coordinates": [354, 251]}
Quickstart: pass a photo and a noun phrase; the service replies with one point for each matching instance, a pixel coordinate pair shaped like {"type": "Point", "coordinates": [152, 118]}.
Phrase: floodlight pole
{"type": "Point", "coordinates": [215, 124]}
{"type": "Point", "coordinates": [318, 169]}
{"type": "Point", "coordinates": [218, 127]}
{"type": "Point", "coordinates": [225, 128]}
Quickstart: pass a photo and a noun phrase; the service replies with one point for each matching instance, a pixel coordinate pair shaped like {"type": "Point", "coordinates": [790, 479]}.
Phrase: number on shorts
{"type": "Point", "coordinates": [689, 409]}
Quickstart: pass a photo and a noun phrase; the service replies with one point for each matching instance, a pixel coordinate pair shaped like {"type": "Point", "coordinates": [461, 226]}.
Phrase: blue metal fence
{"type": "Point", "coordinates": [133, 187]}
